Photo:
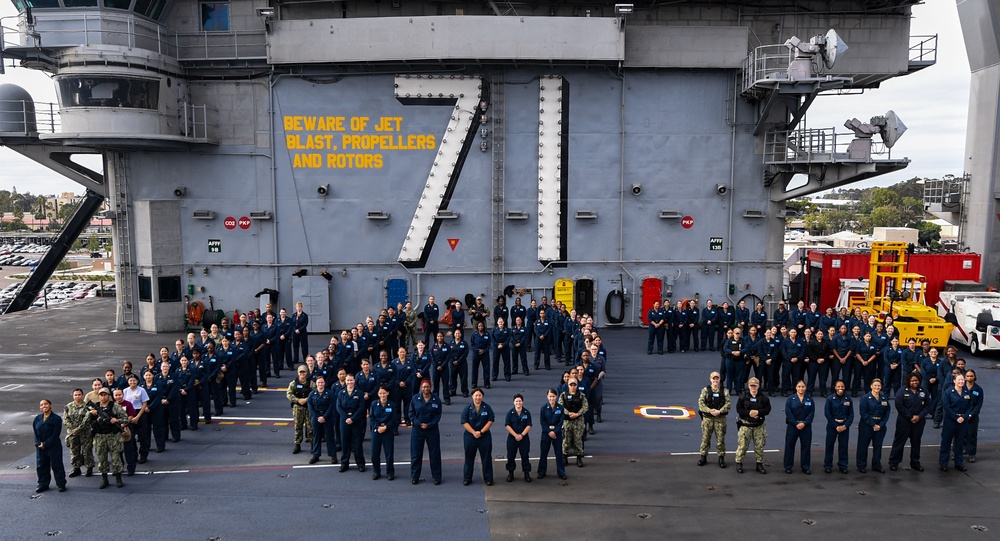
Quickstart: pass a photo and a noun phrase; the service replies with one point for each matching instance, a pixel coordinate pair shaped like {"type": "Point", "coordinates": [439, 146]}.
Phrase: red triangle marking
{"type": "Point", "coordinates": [453, 243]}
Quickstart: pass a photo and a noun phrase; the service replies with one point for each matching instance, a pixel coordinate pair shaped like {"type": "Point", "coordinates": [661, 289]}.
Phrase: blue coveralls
{"type": "Point", "coordinates": [518, 422]}
{"type": "Point", "coordinates": [425, 412]}
{"type": "Point", "coordinates": [500, 340]}
{"type": "Point", "coordinates": [351, 405]}
{"type": "Point", "coordinates": [550, 420]}
{"type": "Point", "coordinates": [657, 328]}
{"type": "Point", "coordinates": [300, 336]}
{"type": "Point", "coordinates": [839, 412]}
{"type": "Point", "coordinates": [956, 406]}
{"type": "Point", "coordinates": [519, 349]}
{"type": "Point", "coordinates": [908, 405]}
{"type": "Point", "coordinates": [386, 415]}
{"type": "Point", "coordinates": [709, 324]}
{"type": "Point", "coordinates": [891, 376]}
{"type": "Point", "coordinates": [483, 445]}
{"type": "Point", "coordinates": [480, 358]}
{"type": "Point", "coordinates": [281, 352]}
{"type": "Point", "coordinates": [459, 367]}
{"type": "Point", "coordinates": [798, 411]}
{"type": "Point", "coordinates": [873, 412]}
{"type": "Point", "coordinates": [187, 403]}
{"type": "Point", "coordinates": [48, 461]}
{"type": "Point", "coordinates": [431, 316]}
{"type": "Point", "coordinates": [440, 370]}
{"type": "Point", "coordinates": [864, 352]}
{"type": "Point", "coordinates": [322, 405]}
{"type": "Point", "coordinates": [972, 438]}
{"type": "Point", "coordinates": [543, 343]}
{"type": "Point", "coordinates": [791, 372]}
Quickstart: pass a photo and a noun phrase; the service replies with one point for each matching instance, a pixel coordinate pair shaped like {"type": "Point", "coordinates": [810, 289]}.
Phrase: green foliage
{"type": "Point", "coordinates": [928, 234]}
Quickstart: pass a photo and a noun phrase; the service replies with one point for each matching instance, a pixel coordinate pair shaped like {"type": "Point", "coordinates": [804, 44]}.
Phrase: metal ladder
{"type": "Point", "coordinates": [497, 139]}
{"type": "Point", "coordinates": [125, 271]}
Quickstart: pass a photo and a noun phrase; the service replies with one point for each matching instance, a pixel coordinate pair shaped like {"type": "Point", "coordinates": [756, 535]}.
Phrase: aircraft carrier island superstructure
{"type": "Point", "coordinates": [351, 154]}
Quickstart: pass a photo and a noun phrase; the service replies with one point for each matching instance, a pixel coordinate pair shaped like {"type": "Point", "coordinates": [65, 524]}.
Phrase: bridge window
{"type": "Point", "coordinates": [93, 91]}
{"type": "Point", "coordinates": [149, 8]}
{"type": "Point", "coordinates": [215, 16]}
{"type": "Point", "coordinates": [19, 4]}
{"type": "Point", "coordinates": [117, 4]}
{"type": "Point", "coordinates": [80, 3]}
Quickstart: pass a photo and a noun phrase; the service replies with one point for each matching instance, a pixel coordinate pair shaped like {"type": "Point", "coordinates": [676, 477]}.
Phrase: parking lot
{"type": "Point", "coordinates": [21, 259]}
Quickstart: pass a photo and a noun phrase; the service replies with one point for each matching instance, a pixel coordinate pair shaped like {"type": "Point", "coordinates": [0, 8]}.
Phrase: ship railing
{"type": "Point", "coordinates": [765, 64]}
{"type": "Point", "coordinates": [27, 118]}
{"type": "Point", "coordinates": [923, 50]}
{"type": "Point", "coordinates": [242, 45]}
{"type": "Point", "coordinates": [195, 121]}
{"type": "Point", "coordinates": [814, 145]}
{"type": "Point", "coordinates": [77, 28]}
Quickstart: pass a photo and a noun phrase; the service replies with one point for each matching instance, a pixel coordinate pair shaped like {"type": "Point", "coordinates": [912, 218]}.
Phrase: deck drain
{"type": "Point", "coordinates": [644, 515]}
{"type": "Point", "coordinates": [52, 533]}
{"type": "Point", "coordinates": [809, 522]}
{"type": "Point", "coordinates": [633, 460]}
{"type": "Point", "coordinates": [35, 496]}
{"type": "Point", "coordinates": [328, 506]}
{"type": "Point", "coordinates": [179, 501]}
{"type": "Point", "coordinates": [862, 493]}
{"type": "Point", "coordinates": [979, 528]}
{"type": "Point", "coordinates": [484, 510]}
{"type": "Point", "coordinates": [215, 538]}
{"type": "Point", "coordinates": [22, 467]}
{"type": "Point", "coordinates": [244, 453]}
{"type": "Point", "coordinates": [10, 443]}
{"type": "Point", "coordinates": [283, 475]}
{"type": "Point", "coordinates": [710, 488]}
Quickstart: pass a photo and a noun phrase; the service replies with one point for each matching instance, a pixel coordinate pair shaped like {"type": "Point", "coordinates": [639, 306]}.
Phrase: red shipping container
{"type": "Point", "coordinates": [828, 267]}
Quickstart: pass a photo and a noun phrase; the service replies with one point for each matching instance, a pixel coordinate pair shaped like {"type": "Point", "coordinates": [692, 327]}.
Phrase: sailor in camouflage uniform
{"type": "Point", "coordinates": [752, 408]}
{"type": "Point", "coordinates": [713, 405]}
{"type": "Point", "coordinates": [106, 420]}
{"type": "Point", "coordinates": [79, 438]}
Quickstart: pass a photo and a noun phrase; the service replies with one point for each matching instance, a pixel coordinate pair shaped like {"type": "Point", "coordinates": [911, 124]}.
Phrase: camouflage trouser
{"type": "Point", "coordinates": [713, 425]}
{"type": "Point", "coordinates": [573, 437]}
{"type": "Point", "coordinates": [300, 414]}
{"type": "Point", "coordinates": [758, 434]}
{"type": "Point", "coordinates": [81, 448]}
{"type": "Point", "coordinates": [108, 444]}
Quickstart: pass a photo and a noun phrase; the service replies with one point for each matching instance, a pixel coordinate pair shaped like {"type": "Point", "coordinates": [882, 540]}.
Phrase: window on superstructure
{"type": "Point", "coordinates": [42, 3]}
{"type": "Point", "coordinates": [95, 91]}
{"type": "Point", "coordinates": [149, 8]}
{"type": "Point", "coordinates": [215, 16]}
{"type": "Point", "coordinates": [80, 3]}
{"type": "Point", "coordinates": [118, 4]}
{"type": "Point", "coordinates": [145, 289]}
{"type": "Point", "coordinates": [169, 288]}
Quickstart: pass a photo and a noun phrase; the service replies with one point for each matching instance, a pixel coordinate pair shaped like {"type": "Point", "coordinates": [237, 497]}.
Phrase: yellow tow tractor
{"type": "Point", "coordinates": [894, 292]}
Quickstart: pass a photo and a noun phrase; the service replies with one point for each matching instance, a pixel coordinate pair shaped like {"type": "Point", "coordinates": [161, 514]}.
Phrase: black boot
{"type": "Point", "coordinates": [598, 415]}
{"type": "Point", "coordinates": [510, 477]}
{"type": "Point", "coordinates": [297, 450]}
{"type": "Point", "coordinates": [118, 480]}
{"type": "Point", "coordinates": [703, 460]}
{"type": "Point", "coordinates": [90, 471]}
{"type": "Point", "coordinates": [75, 473]}
{"type": "Point", "coordinates": [104, 481]}
{"type": "Point", "coordinates": [527, 477]}
{"type": "Point", "coordinates": [590, 429]}
{"type": "Point", "coordinates": [739, 467]}
{"type": "Point", "coordinates": [760, 467]}
{"type": "Point", "coordinates": [579, 461]}
{"type": "Point", "coordinates": [722, 462]}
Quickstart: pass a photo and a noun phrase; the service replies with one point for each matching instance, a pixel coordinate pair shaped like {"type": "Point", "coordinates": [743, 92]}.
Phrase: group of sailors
{"type": "Point", "coordinates": [331, 403]}
{"type": "Point", "coordinates": [960, 398]}
{"type": "Point", "coordinates": [337, 393]}
{"type": "Point", "coordinates": [801, 344]}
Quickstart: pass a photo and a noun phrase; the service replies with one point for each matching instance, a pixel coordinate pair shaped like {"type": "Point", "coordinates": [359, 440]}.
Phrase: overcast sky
{"type": "Point", "coordinates": [933, 103]}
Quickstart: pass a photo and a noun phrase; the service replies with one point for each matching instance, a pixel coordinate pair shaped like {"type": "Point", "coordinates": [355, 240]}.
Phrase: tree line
{"type": "Point", "coordinates": [899, 205]}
